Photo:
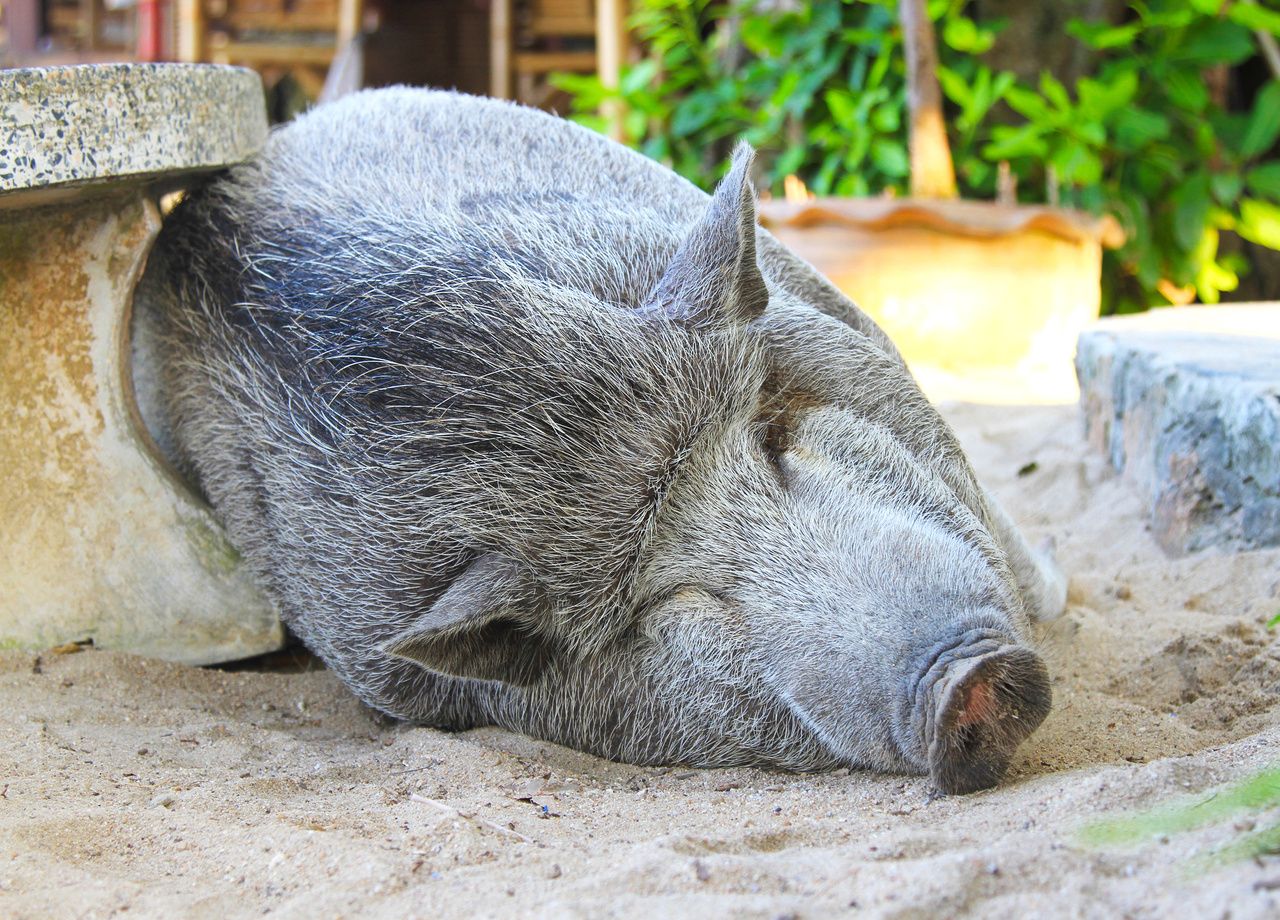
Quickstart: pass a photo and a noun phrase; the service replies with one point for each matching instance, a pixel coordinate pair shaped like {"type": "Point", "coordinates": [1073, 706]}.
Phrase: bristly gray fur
{"type": "Point", "coordinates": [518, 427]}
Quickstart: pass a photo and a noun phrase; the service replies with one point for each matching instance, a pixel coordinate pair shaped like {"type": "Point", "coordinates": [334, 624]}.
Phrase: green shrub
{"type": "Point", "coordinates": [819, 89]}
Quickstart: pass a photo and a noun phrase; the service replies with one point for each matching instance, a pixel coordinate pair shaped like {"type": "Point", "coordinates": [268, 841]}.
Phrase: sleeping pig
{"type": "Point", "coordinates": [517, 427]}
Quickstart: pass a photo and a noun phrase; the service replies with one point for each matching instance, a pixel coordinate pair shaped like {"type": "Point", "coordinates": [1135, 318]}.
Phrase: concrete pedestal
{"type": "Point", "coordinates": [102, 541]}
{"type": "Point", "coordinates": [1185, 403]}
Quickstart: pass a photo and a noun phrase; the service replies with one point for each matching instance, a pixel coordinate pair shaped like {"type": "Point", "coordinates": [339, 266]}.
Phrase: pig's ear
{"type": "Point", "coordinates": [475, 629]}
{"type": "Point", "coordinates": [714, 277]}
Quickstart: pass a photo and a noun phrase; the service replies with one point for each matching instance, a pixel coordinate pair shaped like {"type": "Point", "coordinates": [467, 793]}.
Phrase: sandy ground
{"type": "Point", "coordinates": [158, 790]}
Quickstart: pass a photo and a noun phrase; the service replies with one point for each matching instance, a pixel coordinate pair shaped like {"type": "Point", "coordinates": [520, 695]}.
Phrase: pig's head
{"type": "Point", "coordinates": [808, 580]}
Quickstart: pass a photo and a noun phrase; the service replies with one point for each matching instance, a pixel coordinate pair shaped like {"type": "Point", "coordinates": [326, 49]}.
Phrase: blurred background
{"type": "Point", "coordinates": [1149, 128]}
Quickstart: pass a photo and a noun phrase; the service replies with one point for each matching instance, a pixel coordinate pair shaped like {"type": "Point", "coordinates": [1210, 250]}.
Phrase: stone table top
{"type": "Point", "coordinates": [1251, 320]}
{"type": "Point", "coordinates": [65, 129]}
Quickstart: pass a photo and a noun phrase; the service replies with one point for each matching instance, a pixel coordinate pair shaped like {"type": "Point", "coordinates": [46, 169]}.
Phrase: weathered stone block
{"type": "Point", "coordinates": [1192, 418]}
{"type": "Point", "coordinates": [102, 541]}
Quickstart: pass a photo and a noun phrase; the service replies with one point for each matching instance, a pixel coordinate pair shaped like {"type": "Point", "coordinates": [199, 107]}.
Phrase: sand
{"type": "Point", "coordinates": [139, 788]}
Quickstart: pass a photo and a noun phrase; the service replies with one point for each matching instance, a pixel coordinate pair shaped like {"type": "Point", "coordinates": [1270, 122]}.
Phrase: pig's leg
{"type": "Point", "coordinates": [1043, 583]}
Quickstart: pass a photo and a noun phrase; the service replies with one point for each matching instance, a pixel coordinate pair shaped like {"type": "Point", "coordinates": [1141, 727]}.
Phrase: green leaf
{"type": "Point", "coordinates": [1255, 17]}
{"type": "Point", "coordinates": [694, 113]}
{"type": "Point", "coordinates": [1253, 796]}
{"type": "Point", "coordinates": [1165, 18]}
{"type": "Point", "coordinates": [856, 147]}
{"type": "Point", "coordinates": [843, 106]}
{"type": "Point", "coordinates": [1135, 128]}
{"type": "Point", "coordinates": [1229, 127]}
{"type": "Point", "coordinates": [1134, 214]}
{"type": "Point", "coordinates": [1104, 35]}
{"type": "Point", "coordinates": [1098, 99]}
{"type": "Point", "coordinates": [890, 157]}
{"type": "Point", "coordinates": [790, 161]}
{"type": "Point", "coordinates": [1009, 143]}
{"type": "Point", "coordinates": [822, 182]}
{"type": "Point", "coordinates": [655, 148]}
{"type": "Point", "coordinates": [1091, 132]}
{"type": "Point", "coordinates": [1265, 179]}
{"type": "Point", "coordinates": [1206, 142]}
{"type": "Point", "coordinates": [1149, 269]}
{"type": "Point", "coordinates": [1077, 164]}
{"type": "Point", "coordinates": [1264, 123]}
{"type": "Point", "coordinates": [634, 124]}
{"type": "Point", "coordinates": [1273, 622]}
{"type": "Point", "coordinates": [1186, 89]}
{"type": "Point", "coordinates": [1191, 204]}
{"type": "Point", "coordinates": [1055, 91]}
{"type": "Point", "coordinates": [963, 34]}
{"type": "Point", "coordinates": [959, 32]}
{"type": "Point", "coordinates": [1259, 222]}
{"type": "Point", "coordinates": [852, 185]}
{"type": "Point", "coordinates": [760, 35]}
{"type": "Point", "coordinates": [821, 92]}
{"type": "Point", "coordinates": [858, 71]}
{"type": "Point", "coordinates": [1150, 179]}
{"type": "Point", "coordinates": [638, 77]}
{"type": "Point", "coordinates": [1211, 277]}
{"type": "Point", "coordinates": [977, 171]}
{"type": "Point", "coordinates": [1216, 42]}
{"type": "Point", "coordinates": [1171, 159]}
{"type": "Point", "coordinates": [1226, 187]}
{"type": "Point", "coordinates": [979, 104]}
{"type": "Point", "coordinates": [596, 123]}
{"type": "Point", "coordinates": [786, 91]}
{"type": "Point", "coordinates": [878, 71]}
{"type": "Point", "coordinates": [886, 118]}
{"type": "Point", "coordinates": [1027, 103]}
{"type": "Point", "coordinates": [955, 87]}
{"type": "Point", "coordinates": [587, 90]}
{"type": "Point", "coordinates": [1221, 218]}
{"type": "Point", "coordinates": [1001, 85]}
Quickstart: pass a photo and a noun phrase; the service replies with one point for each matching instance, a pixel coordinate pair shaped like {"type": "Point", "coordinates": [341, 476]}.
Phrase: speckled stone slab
{"type": "Point", "coordinates": [71, 127]}
{"type": "Point", "coordinates": [1185, 403]}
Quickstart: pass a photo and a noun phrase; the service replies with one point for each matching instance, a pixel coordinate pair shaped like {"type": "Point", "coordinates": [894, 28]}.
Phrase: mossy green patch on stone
{"type": "Point", "coordinates": [212, 548]}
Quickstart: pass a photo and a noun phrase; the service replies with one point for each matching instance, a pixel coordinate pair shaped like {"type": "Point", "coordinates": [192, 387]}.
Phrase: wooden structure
{"type": "Point", "coordinates": [65, 31]}
{"type": "Point", "coordinates": [530, 40]}
{"type": "Point", "coordinates": [507, 48]}
{"type": "Point", "coordinates": [302, 37]}
{"type": "Point", "coordinates": [932, 173]}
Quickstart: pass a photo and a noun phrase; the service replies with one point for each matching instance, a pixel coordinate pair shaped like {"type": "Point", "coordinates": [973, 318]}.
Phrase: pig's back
{"type": "Point", "coordinates": [416, 152]}
{"type": "Point", "coordinates": [388, 172]}
{"type": "Point", "coordinates": [402, 169]}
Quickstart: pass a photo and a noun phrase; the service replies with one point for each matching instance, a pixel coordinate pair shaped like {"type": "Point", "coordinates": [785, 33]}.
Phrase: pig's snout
{"type": "Point", "coordinates": [976, 700]}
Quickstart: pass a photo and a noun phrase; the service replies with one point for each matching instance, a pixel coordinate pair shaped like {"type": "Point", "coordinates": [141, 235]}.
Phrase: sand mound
{"type": "Point", "coordinates": [153, 788]}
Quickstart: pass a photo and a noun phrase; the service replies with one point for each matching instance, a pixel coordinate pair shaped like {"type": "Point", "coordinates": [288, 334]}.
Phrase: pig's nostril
{"type": "Point", "coordinates": [978, 705]}
{"type": "Point", "coordinates": [985, 708]}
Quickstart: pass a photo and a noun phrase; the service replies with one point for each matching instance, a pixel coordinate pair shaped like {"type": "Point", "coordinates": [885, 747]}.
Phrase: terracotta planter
{"type": "Point", "coordinates": [965, 289]}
